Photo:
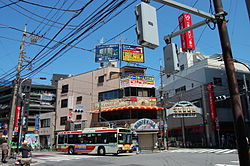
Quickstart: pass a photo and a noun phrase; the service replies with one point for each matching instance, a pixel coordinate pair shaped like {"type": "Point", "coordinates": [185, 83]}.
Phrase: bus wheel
{"type": "Point", "coordinates": [101, 151]}
{"type": "Point", "coordinates": [71, 150]}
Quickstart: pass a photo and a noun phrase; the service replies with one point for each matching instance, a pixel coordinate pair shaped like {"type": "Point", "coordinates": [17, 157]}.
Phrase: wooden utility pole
{"type": "Point", "coordinates": [15, 89]}
{"type": "Point", "coordinates": [239, 123]}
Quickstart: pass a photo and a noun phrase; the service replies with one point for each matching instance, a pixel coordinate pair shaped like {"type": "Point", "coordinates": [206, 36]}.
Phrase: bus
{"type": "Point", "coordinates": [99, 141]}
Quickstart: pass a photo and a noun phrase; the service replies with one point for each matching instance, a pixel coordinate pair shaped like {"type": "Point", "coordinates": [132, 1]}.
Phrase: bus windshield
{"type": "Point", "coordinates": [124, 138]}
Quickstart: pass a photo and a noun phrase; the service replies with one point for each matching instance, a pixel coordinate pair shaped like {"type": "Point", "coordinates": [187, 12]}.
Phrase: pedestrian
{"type": "Point", "coordinates": [25, 153]}
{"type": "Point", "coordinates": [5, 150]}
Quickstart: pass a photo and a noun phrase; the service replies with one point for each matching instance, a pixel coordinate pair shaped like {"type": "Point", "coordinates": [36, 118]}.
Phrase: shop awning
{"type": "Point", "coordinates": [133, 107]}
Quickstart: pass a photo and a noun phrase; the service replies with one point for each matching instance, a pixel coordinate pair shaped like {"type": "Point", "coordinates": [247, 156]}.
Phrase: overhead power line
{"type": "Point", "coordinates": [49, 7]}
{"type": "Point", "coordinates": [9, 4]}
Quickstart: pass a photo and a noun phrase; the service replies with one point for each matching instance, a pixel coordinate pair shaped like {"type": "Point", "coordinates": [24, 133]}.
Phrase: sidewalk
{"type": "Point", "coordinates": [11, 161]}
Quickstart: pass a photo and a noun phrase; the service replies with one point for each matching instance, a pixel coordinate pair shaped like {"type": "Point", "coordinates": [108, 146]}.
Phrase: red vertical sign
{"type": "Point", "coordinates": [211, 101]}
{"type": "Point", "coordinates": [17, 116]}
{"type": "Point", "coordinates": [187, 39]}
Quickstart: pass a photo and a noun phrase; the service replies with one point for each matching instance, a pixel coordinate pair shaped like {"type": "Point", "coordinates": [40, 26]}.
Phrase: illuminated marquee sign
{"type": "Point", "coordinates": [132, 53]}
{"type": "Point", "coordinates": [145, 124]}
{"type": "Point", "coordinates": [184, 109]}
{"type": "Point", "coordinates": [138, 81]}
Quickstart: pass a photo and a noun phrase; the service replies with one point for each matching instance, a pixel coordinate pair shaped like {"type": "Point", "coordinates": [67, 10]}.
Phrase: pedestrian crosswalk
{"type": "Point", "coordinates": [57, 158]}
{"type": "Point", "coordinates": [216, 151]}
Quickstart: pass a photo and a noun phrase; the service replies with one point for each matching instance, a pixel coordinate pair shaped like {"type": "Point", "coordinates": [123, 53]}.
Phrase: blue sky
{"type": "Point", "coordinates": [76, 61]}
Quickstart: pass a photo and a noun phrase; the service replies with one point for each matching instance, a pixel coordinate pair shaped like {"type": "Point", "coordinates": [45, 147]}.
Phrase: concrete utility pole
{"type": "Point", "coordinates": [247, 98]}
{"type": "Point", "coordinates": [15, 88]}
{"type": "Point", "coordinates": [248, 8]}
{"type": "Point", "coordinates": [239, 123]}
{"type": "Point", "coordinates": [163, 115]}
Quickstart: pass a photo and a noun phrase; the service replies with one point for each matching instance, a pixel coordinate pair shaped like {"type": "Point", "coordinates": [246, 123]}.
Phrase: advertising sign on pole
{"type": "Point", "coordinates": [211, 101]}
{"type": "Point", "coordinates": [187, 39]}
{"type": "Point", "coordinates": [107, 53]}
{"type": "Point", "coordinates": [132, 53]}
{"type": "Point", "coordinates": [37, 119]}
{"type": "Point", "coordinates": [17, 116]}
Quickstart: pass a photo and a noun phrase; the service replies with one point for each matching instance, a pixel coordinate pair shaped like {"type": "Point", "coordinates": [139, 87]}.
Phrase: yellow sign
{"type": "Point", "coordinates": [134, 57]}
{"type": "Point", "coordinates": [132, 53]}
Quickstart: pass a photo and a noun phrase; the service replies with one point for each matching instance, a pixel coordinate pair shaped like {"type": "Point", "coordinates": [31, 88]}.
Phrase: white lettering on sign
{"type": "Point", "coordinates": [145, 124]}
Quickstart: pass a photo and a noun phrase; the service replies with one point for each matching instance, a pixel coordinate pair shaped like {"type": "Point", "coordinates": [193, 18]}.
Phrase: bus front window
{"type": "Point", "coordinates": [124, 138]}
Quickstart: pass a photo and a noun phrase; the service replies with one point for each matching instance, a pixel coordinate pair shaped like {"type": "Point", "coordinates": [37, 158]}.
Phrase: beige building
{"type": "Point", "coordinates": [46, 130]}
{"type": "Point", "coordinates": [76, 95]}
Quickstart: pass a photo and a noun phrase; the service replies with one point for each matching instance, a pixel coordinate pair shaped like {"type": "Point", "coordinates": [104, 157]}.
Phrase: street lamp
{"type": "Point", "coordinates": [22, 98]}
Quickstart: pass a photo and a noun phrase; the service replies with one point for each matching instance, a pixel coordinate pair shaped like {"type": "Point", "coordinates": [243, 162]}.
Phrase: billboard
{"type": "Point", "coordinates": [106, 53]}
{"type": "Point", "coordinates": [132, 53]}
{"type": "Point", "coordinates": [137, 81]}
{"type": "Point", "coordinates": [187, 39]}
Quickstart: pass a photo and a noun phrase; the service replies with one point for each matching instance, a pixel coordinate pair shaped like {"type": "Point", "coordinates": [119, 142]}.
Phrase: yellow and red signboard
{"type": "Point", "coordinates": [138, 81]}
{"type": "Point", "coordinates": [132, 53]}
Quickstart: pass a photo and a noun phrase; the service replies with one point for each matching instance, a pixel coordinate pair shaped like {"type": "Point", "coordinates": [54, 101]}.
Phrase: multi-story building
{"type": "Point", "coordinates": [38, 99]}
{"type": "Point", "coordinates": [76, 95]}
{"type": "Point", "coordinates": [110, 96]}
{"type": "Point", "coordinates": [202, 80]}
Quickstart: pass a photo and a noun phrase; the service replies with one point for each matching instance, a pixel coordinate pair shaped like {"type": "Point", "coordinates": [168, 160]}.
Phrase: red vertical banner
{"type": "Point", "coordinates": [187, 38]}
{"type": "Point", "coordinates": [17, 116]}
{"type": "Point", "coordinates": [211, 101]}
{"type": "Point", "coordinates": [70, 113]}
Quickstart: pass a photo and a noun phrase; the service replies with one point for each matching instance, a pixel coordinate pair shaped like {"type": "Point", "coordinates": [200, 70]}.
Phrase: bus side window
{"type": "Point", "coordinates": [85, 139]}
{"type": "Point", "coordinates": [79, 139]}
{"type": "Point", "coordinates": [71, 138]}
{"type": "Point", "coordinates": [102, 138]}
{"type": "Point", "coordinates": [66, 139]}
{"type": "Point", "coordinates": [89, 139]}
{"type": "Point", "coordinates": [112, 138]}
{"type": "Point", "coordinates": [61, 139]}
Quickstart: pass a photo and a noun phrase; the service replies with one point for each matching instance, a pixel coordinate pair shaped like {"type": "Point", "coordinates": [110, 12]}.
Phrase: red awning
{"type": "Point", "coordinates": [132, 107]}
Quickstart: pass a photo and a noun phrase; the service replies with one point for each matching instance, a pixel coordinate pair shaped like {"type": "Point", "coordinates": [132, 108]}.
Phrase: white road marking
{"type": "Point", "coordinates": [217, 151]}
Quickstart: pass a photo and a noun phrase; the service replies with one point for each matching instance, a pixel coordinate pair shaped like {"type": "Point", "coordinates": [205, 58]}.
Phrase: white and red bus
{"type": "Point", "coordinates": [99, 141]}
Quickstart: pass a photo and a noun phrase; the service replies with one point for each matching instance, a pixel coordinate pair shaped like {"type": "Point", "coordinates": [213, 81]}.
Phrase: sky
{"type": "Point", "coordinates": [51, 20]}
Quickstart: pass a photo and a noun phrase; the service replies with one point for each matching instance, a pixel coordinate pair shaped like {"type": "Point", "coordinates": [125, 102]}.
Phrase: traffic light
{"type": "Point", "coordinates": [171, 59]}
{"type": "Point", "coordinates": [220, 98]}
{"type": "Point", "coordinates": [146, 26]}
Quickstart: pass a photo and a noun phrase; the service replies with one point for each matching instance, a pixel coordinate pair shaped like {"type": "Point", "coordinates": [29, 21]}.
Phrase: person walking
{"type": "Point", "coordinates": [25, 151]}
{"type": "Point", "coordinates": [5, 150]}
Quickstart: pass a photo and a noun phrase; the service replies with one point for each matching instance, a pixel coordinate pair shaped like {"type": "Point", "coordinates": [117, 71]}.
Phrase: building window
{"type": "Point", "coordinates": [142, 92]}
{"type": "Point", "coordinates": [217, 81]}
{"type": "Point", "coordinates": [65, 88]}
{"type": "Point", "coordinates": [78, 117]}
{"type": "Point", "coordinates": [114, 75]}
{"type": "Point", "coordinates": [78, 126]}
{"type": "Point", "coordinates": [181, 89]}
{"type": "Point", "coordinates": [64, 103]}
{"type": "Point", "coordinates": [113, 94]}
{"type": "Point", "coordinates": [79, 100]}
{"type": "Point", "coordinates": [45, 123]}
{"type": "Point", "coordinates": [63, 120]}
{"type": "Point", "coordinates": [101, 79]}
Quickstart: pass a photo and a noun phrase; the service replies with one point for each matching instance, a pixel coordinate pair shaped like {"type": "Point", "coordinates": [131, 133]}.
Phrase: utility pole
{"type": "Point", "coordinates": [248, 8]}
{"type": "Point", "coordinates": [15, 88]}
{"type": "Point", "coordinates": [248, 105]}
{"type": "Point", "coordinates": [239, 123]}
{"type": "Point", "coordinates": [163, 115]}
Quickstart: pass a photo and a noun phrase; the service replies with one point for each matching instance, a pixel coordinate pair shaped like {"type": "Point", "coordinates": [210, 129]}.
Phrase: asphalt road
{"type": "Point", "coordinates": [179, 157]}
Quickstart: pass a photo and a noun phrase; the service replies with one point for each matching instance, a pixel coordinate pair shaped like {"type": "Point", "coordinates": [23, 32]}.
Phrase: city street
{"type": "Point", "coordinates": [177, 157]}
